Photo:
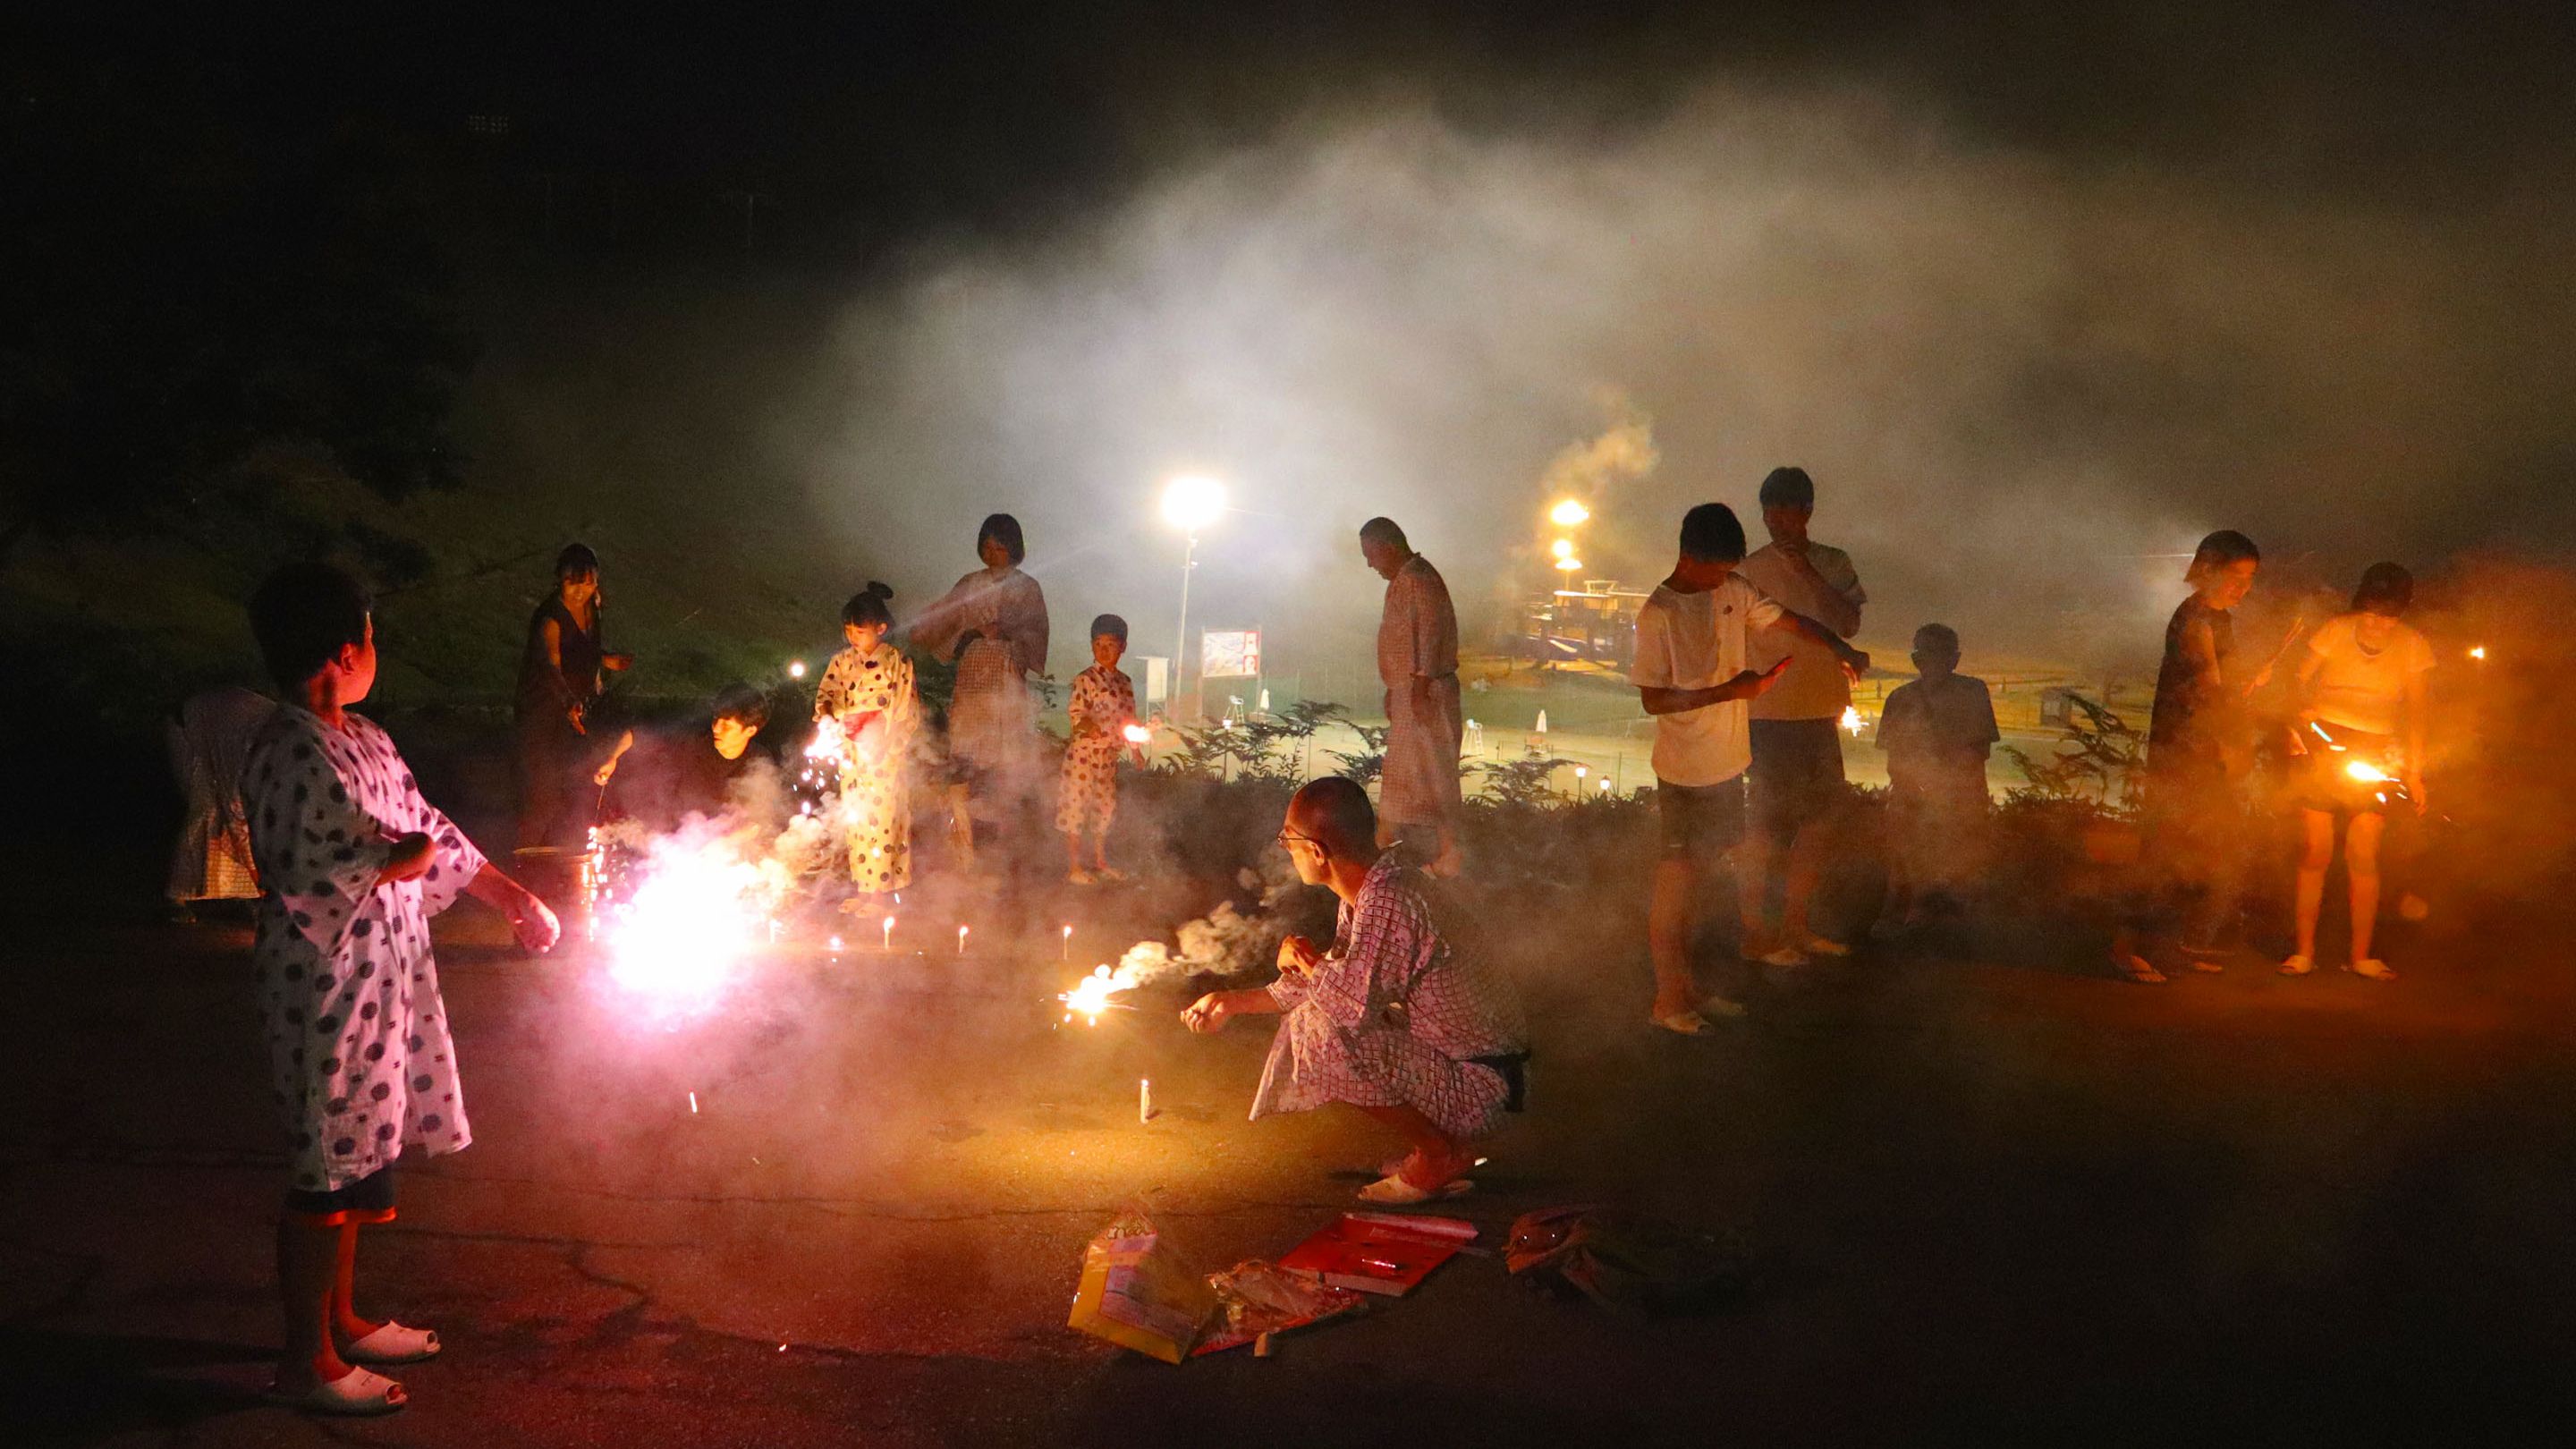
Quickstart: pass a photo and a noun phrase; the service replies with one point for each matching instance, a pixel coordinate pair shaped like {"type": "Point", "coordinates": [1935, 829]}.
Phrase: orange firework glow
{"type": "Point", "coordinates": [1851, 720]}
{"type": "Point", "coordinates": [2480, 652]}
{"type": "Point", "coordinates": [1138, 735]}
{"type": "Point", "coordinates": [2367, 773]}
{"type": "Point", "coordinates": [1090, 996]}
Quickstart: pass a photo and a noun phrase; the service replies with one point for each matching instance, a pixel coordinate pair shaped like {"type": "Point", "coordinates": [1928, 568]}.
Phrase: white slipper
{"type": "Point", "coordinates": [1816, 945]}
{"type": "Point", "coordinates": [355, 1394]}
{"type": "Point", "coordinates": [1681, 1023]}
{"type": "Point", "coordinates": [2372, 968]}
{"type": "Point", "coordinates": [2298, 966]}
{"type": "Point", "coordinates": [392, 1343]}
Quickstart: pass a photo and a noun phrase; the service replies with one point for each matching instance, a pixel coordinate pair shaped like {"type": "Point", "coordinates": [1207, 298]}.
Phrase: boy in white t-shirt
{"type": "Point", "coordinates": [2361, 689]}
{"type": "Point", "coordinates": [1693, 636]}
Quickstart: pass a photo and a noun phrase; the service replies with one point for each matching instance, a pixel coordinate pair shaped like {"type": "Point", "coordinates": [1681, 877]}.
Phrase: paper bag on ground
{"type": "Point", "coordinates": [1138, 1292]}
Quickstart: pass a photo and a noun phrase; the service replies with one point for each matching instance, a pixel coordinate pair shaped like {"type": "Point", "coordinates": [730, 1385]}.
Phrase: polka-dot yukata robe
{"type": "Point", "coordinates": [358, 1044]}
{"type": "Point", "coordinates": [872, 695]}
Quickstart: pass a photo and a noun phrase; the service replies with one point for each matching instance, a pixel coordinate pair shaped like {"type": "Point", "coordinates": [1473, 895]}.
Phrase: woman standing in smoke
{"type": "Point", "coordinates": [561, 677]}
{"type": "Point", "coordinates": [2192, 820]}
{"type": "Point", "coordinates": [2361, 721]}
{"type": "Point", "coordinates": [994, 623]}
{"type": "Point", "coordinates": [867, 692]}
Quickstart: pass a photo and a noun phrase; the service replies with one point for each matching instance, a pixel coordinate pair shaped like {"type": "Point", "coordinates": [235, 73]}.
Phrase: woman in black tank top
{"type": "Point", "coordinates": [561, 677]}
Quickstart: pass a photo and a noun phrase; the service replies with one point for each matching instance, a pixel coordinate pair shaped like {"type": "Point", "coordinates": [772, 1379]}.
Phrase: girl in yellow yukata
{"type": "Point", "coordinates": [867, 694]}
{"type": "Point", "coordinates": [1103, 707]}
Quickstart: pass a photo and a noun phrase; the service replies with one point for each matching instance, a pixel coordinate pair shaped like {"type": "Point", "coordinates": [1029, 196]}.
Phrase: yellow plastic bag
{"type": "Point", "coordinates": [1138, 1292]}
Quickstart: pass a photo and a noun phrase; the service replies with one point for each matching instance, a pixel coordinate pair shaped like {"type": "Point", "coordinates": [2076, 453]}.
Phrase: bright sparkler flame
{"type": "Point", "coordinates": [796, 669]}
{"type": "Point", "coordinates": [680, 936]}
{"type": "Point", "coordinates": [1562, 548]}
{"type": "Point", "coordinates": [2367, 773]}
{"type": "Point", "coordinates": [2480, 652]}
{"type": "Point", "coordinates": [1090, 996]}
{"type": "Point", "coordinates": [1138, 735]}
{"type": "Point", "coordinates": [1569, 565]}
{"type": "Point", "coordinates": [1568, 514]}
{"type": "Point", "coordinates": [1852, 724]}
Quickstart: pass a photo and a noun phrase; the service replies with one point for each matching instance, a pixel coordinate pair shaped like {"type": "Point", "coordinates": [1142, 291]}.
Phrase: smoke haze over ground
{"type": "Point", "coordinates": [2018, 376]}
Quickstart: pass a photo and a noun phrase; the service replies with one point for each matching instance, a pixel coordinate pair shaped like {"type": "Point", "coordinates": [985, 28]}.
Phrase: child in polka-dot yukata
{"type": "Point", "coordinates": [1102, 708]}
{"type": "Point", "coordinates": [868, 690]}
{"type": "Point", "coordinates": [352, 864]}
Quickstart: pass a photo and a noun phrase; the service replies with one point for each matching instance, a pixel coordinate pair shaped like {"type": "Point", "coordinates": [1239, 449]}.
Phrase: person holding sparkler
{"type": "Point", "coordinates": [671, 773]}
{"type": "Point", "coordinates": [1797, 795]}
{"type": "Point", "coordinates": [2191, 818]}
{"type": "Point", "coordinates": [867, 697]}
{"type": "Point", "coordinates": [1417, 661]}
{"type": "Point", "coordinates": [353, 863]}
{"type": "Point", "coordinates": [1392, 1019]}
{"type": "Point", "coordinates": [994, 623]}
{"type": "Point", "coordinates": [1694, 634]}
{"type": "Point", "coordinates": [2361, 721]}
{"type": "Point", "coordinates": [1103, 711]}
{"type": "Point", "coordinates": [561, 677]}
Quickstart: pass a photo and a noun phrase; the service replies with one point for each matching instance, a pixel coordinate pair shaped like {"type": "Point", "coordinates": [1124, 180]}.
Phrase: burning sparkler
{"type": "Point", "coordinates": [1090, 996]}
{"type": "Point", "coordinates": [796, 669]}
{"type": "Point", "coordinates": [1852, 721]}
{"type": "Point", "coordinates": [1138, 735]}
{"type": "Point", "coordinates": [2479, 653]}
{"type": "Point", "coordinates": [678, 938]}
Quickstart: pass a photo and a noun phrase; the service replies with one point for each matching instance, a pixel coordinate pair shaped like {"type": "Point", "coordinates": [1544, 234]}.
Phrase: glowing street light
{"type": "Point", "coordinates": [1568, 514]}
{"type": "Point", "coordinates": [1191, 502]}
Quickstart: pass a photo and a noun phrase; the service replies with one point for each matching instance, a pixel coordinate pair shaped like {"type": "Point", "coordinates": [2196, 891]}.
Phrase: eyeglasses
{"type": "Point", "coordinates": [1286, 837]}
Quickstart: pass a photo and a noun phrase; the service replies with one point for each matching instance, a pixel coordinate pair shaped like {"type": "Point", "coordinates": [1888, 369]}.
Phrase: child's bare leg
{"type": "Point", "coordinates": [1808, 850]}
{"type": "Point", "coordinates": [2361, 863]}
{"type": "Point", "coordinates": [1753, 863]}
{"type": "Point", "coordinates": [344, 1313]}
{"type": "Point", "coordinates": [1073, 852]}
{"type": "Point", "coordinates": [1439, 1153]}
{"type": "Point", "coordinates": [2316, 853]}
{"type": "Point", "coordinates": [1668, 927]}
{"type": "Point", "coordinates": [308, 1259]}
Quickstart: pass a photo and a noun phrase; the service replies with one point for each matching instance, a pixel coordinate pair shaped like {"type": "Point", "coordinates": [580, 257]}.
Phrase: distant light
{"type": "Point", "coordinates": [1562, 548]}
{"type": "Point", "coordinates": [796, 669]}
{"type": "Point", "coordinates": [1569, 565]}
{"type": "Point", "coordinates": [1568, 514]}
{"type": "Point", "coordinates": [2479, 652]}
{"type": "Point", "coordinates": [1192, 501]}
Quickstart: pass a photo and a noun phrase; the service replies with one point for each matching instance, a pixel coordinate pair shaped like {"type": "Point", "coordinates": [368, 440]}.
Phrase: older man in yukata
{"type": "Point", "coordinates": [1417, 661]}
{"type": "Point", "coordinates": [1394, 1019]}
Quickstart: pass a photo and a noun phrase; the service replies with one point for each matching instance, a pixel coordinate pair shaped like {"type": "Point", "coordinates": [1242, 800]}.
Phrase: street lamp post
{"type": "Point", "coordinates": [1190, 502]}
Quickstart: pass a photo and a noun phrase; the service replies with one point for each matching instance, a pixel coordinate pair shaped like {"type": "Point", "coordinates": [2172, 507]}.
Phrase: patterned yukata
{"type": "Point", "coordinates": [873, 697]}
{"type": "Point", "coordinates": [357, 1034]}
{"type": "Point", "coordinates": [992, 720]}
{"type": "Point", "coordinates": [1104, 704]}
{"type": "Point", "coordinates": [1338, 1041]}
{"type": "Point", "coordinates": [1417, 638]}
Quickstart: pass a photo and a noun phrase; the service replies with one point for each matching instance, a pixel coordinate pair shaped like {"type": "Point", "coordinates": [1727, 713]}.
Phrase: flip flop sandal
{"type": "Point", "coordinates": [392, 1343]}
{"type": "Point", "coordinates": [356, 1394]}
{"type": "Point", "coordinates": [2298, 966]}
{"type": "Point", "coordinates": [1396, 1192]}
{"type": "Point", "coordinates": [1681, 1023]}
{"type": "Point", "coordinates": [2139, 970]}
{"type": "Point", "coordinates": [2371, 969]}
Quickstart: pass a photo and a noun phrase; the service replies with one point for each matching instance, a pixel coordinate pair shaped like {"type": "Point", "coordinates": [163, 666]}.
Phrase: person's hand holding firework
{"type": "Point", "coordinates": [2414, 780]}
{"type": "Point", "coordinates": [1208, 1014]}
{"type": "Point", "coordinates": [534, 923]}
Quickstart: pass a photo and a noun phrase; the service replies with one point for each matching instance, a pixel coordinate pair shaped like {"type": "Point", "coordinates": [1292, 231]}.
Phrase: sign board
{"type": "Point", "coordinates": [1230, 654]}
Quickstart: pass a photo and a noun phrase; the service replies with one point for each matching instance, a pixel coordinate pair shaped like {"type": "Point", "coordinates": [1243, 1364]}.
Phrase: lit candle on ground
{"type": "Point", "coordinates": [693, 1104]}
{"type": "Point", "coordinates": [889, 934]}
{"type": "Point", "coordinates": [1144, 1100]}
{"type": "Point", "coordinates": [961, 940]}
{"type": "Point", "coordinates": [836, 945]}
{"type": "Point", "coordinates": [1064, 952]}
